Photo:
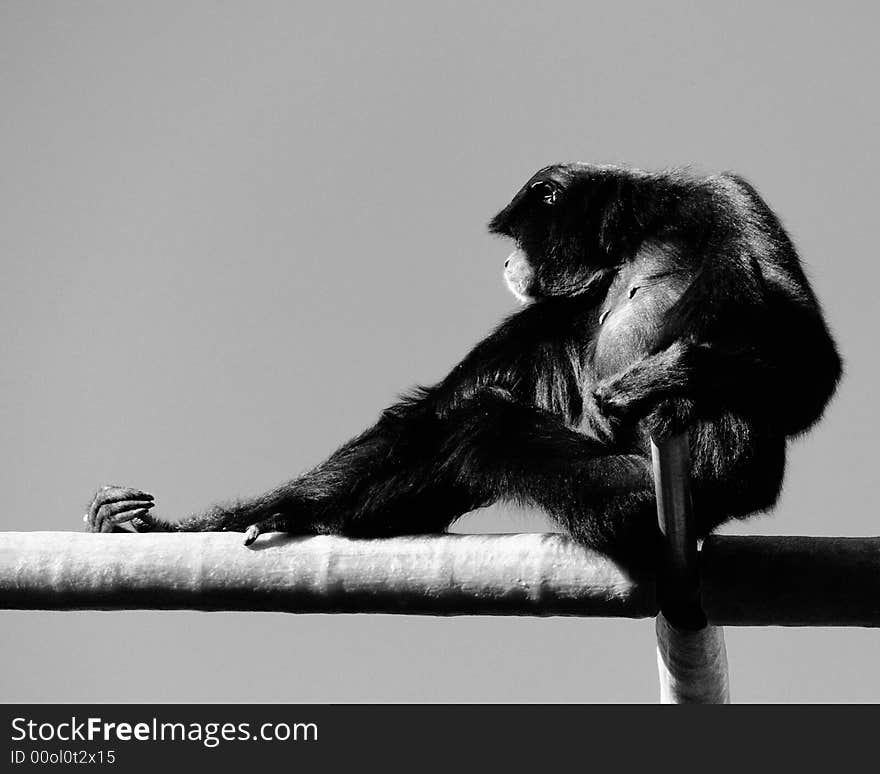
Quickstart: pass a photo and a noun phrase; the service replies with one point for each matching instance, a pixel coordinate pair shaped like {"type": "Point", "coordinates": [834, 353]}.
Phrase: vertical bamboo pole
{"type": "Point", "coordinates": [691, 657]}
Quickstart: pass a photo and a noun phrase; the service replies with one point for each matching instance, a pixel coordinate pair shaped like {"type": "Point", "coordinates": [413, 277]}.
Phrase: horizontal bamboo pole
{"type": "Point", "coordinates": [746, 581]}
{"type": "Point", "coordinates": [791, 581]}
{"type": "Point", "coordinates": [528, 574]}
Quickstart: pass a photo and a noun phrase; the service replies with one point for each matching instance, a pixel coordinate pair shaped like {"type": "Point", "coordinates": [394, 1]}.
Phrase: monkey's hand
{"type": "Point", "coordinates": [612, 398]}
{"type": "Point", "coordinates": [598, 421]}
{"type": "Point", "coordinates": [635, 390]}
{"type": "Point", "coordinates": [670, 417]}
{"type": "Point", "coordinates": [113, 506]}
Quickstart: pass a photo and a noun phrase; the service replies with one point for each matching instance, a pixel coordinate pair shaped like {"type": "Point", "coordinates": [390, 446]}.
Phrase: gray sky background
{"type": "Point", "coordinates": [233, 232]}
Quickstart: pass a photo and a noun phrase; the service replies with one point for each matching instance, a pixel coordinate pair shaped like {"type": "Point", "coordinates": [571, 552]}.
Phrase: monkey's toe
{"type": "Point", "coordinates": [251, 534]}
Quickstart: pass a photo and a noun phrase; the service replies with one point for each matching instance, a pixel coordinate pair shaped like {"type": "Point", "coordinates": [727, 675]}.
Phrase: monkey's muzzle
{"type": "Point", "coordinates": [518, 274]}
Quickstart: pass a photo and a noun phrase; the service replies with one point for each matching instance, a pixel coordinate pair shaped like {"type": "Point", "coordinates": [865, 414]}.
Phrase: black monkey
{"type": "Point", "coordinates": [657, 302]}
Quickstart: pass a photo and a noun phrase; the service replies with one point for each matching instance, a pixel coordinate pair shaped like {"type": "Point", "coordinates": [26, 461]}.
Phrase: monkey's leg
{"type": "Point", "coordinates": [498, 449]}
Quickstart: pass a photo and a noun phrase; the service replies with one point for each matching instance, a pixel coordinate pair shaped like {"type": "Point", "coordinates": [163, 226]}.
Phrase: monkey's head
{"type": "Point", "coordinates": [568, 221]}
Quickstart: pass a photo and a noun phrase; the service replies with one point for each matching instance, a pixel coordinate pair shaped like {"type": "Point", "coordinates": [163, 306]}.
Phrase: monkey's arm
{"type": "Point", "coordinates": [664, 374]}
{"type": "Point", "coordinates": [672, 385]}
{"type": "Point", "coordinates": [317, 497]}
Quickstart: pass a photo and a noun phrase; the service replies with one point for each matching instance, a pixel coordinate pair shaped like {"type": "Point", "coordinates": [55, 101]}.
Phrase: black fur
{"type": "Point", "coordinates": [659, 302]}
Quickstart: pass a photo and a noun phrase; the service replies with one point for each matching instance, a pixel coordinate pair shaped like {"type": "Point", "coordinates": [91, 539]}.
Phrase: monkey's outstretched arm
{"type": "Point", "coordinates": [315, 498]}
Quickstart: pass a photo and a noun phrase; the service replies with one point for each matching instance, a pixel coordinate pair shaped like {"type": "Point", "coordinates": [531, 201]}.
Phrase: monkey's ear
{"type": "Point", "coordinates": [610, 216]}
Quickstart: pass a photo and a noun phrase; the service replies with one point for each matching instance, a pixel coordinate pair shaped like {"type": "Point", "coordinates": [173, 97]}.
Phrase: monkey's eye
{"type": "Point", "coordinates": [547, 191]}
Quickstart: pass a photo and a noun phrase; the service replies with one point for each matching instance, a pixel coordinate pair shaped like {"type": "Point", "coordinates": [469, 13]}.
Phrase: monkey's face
{"type": "Point", "coordinates": [558, 220]}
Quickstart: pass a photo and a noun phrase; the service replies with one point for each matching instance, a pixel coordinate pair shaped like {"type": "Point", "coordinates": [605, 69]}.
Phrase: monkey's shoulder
{"type": "Point", "coordinates": [634, 309]}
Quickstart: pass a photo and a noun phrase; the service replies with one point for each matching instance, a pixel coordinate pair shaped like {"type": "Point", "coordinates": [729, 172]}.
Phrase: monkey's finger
{"type": "Point", "coordinates": [110, 494]}
{"type": "Point", "coordinates": [114, 507]}
{"type": "Point", "coordinates": [112, 524]}
{"type": "Point", "coordinates": [112, 490]}
{"type": "Point", "coordinates": [103, 527]}
{"type": "Point", "coordinates": [146, 522]}
{"type": "Point", "coordinates": [122, 511]}
{"type": "Point", "coordinates": [108, 526]}
{"type": "Point", "coordinates": [609, 400]}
